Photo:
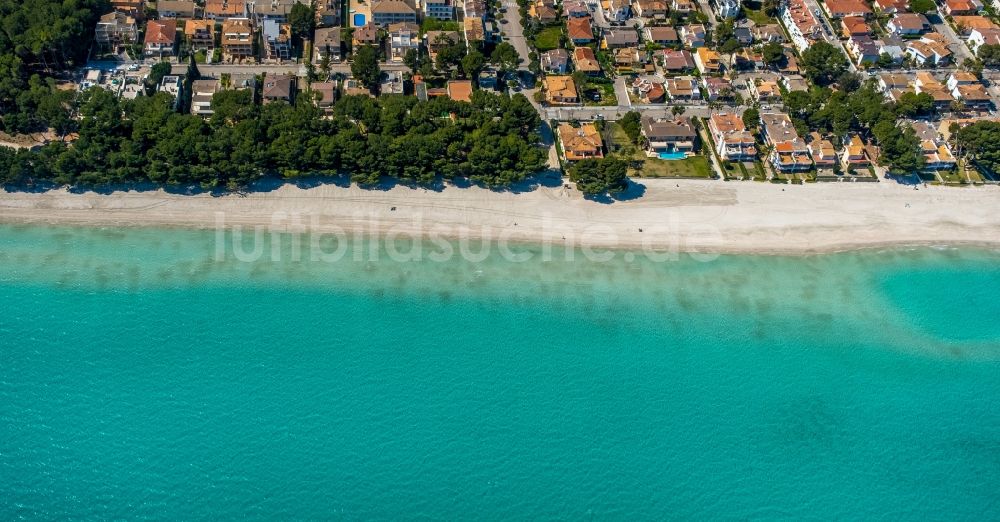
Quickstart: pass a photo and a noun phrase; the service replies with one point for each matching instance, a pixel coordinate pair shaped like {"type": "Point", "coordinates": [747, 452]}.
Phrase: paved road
{"type": "Point", "coordinates": [615, 113]}
{"type": "Point", "coordinates": [707, 9]}
{"type": "Point", "coordinates": [216, 69]}
{"type": "Point", "coordinates": [514, 33]}
{"type": "Point", "coordinates": [957, 46]}
{"type": "Point", "coordinates": [829, 32]}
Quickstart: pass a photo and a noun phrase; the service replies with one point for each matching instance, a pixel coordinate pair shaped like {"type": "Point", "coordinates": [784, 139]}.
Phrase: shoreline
{"type": "Point", "coordinates": [693, 216]}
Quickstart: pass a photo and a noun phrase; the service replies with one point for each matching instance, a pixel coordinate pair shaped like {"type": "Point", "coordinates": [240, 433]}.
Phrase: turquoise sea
{"type": "Point", "coordinates": [143, 378]}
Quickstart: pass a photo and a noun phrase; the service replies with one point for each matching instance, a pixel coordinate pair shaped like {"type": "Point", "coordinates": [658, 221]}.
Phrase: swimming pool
{"type": "Point", "coordinates": [359, 20]}
{"type": "Point", "coordinates": [672, 155]}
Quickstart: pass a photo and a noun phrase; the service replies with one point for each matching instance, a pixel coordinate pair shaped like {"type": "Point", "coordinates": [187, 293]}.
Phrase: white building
{"type": "Point", "coordinates": [440, 9]}
{"type": "Point", "coordinates": [727, 8]}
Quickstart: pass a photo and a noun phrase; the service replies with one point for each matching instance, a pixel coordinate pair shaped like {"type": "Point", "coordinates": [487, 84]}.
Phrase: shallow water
{"type": "Point", "coordinates": [145, 378]}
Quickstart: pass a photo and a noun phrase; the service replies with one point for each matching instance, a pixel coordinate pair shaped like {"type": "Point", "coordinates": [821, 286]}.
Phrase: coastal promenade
{"type": "Point", "coordinates": [685, 215]}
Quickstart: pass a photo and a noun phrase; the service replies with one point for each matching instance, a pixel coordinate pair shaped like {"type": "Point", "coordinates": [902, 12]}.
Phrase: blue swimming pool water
{"type": "Point", "coordinates": [672, 155]}
{"type": "Point", "coordinates": [359, 20]}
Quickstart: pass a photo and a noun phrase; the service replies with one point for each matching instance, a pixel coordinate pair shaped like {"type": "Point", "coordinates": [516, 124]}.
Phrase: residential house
{"type": "Point", "coordinates": [801, 23]}
{"type": "Point", "coordinates": [618, 38]}
{"type": "Point", "coordinates": [365, 35]}
{"type": "Point", "coordinates": [892, 50]}
{"type": "Point", "coordinates": [662, 35]}
{"type": "Point", "coordinates": [854, 155]}
{"type": "Point", "coordinates": [743, 34]}
{"type": "Point", "coordinates": [823, 153]}
{"type": "Point", "coordinates": [581, 142]}
{"type": "Point", "coordinates": [693, 35]}
{"type": "Point", "coordinates": [575, 8]}
{"type": "Point", "coordinates": [864, 49]}
{"type": "Point", "coordinates": [727, 8]}
{"type": "Point", "coordinates": [277, 40]}
{"type": "Point", "coordinates": [279, 87]}
{"type": "Point", "coordinates": [237, 37]}
{"type": "Point", "coordinates": [650, 9]}
{"type": "Point", "coordinates": [133, 8]}
{"type": "Point", "coordinates": [114, 31]}
{"type": "Point", "coordinates": [768, 33]}
{"type": "Point", "coordinates": [555, 61]}
{"type": "Point", "coordinates": [200, 34]}
{"type": "Point", "coordinates": [764, 91]}
{"type": "Point", "coordinates": [682, 88]}
{"type": "Point", "coordinates": [439, 9]}
{"type": "Point", "coordinates": [937, 155]}
{"type": "Point", "coordinates": [561, 90]}
{"type": "Point", "coordinates": [474, 9]}
{"type": "Point", "coordinates": [980, 37]}
{"type": "Point", "coordinates": [648, 90]}
{"type": "Point", "coordinates": [326, 42]}
{"type": "Point", "coordinates": [717, 88]}
{"type": "Point", "coordinates": [175, 8]}
{"type": "Point", "coordinates": [628, 60]}
{"type": "Point", "coordinates": [732, 141]}
{"type": "Point", "coordinates": [893, 85]}
{"type": "Point", "coordinates": [437, 40]}
{"type": "Point", "coordinates": [675, 61]}
{"type": "Point", "coordinates": [473, 29]}
{"type": "Point", "coordinates": [391, 82]}
{"type": "Point", "coordinates": [274, 10]}
{"type": "Point", "coordinates": [544, 11]}
{"type": "Point", "coordinates": [324, 94]}
{"type": "Point", "coordinates": [328, 13]}
{"type": "Point", "coordinates": [935, 150]}
{"type": "Point", "coordinates": [908, 24]}
{"type": "Point", "coordinates": [964, 25]}
{"type": "Point", "coordinates": [966, 86]}
{"type": "Point", "coordinates": [460, 90]}
{"type": "Point", "coordinates": [790, 153]}
{"type": "Point", "coordinates": [161, 38]}
{"type": "Point", "coordinates": [202, 92]}
{"type": "Point", "coordinates": [579, 30]}
{"type": "Point", "coordinates": [957, 78]}
{"type": "Point", "coordinates": [618, 10]}
{"type": "Point", "coordinates": [682, 7]}
{"type": "Point", "coordinates": [585, 61]}
{"type": "Point", "coordinates": [747, 59]}
{"type": "Point", "coordinates": [962, 7]}
{"type": "Point", "coordinates": [854, 26]}
{"type": "Point", "coordinates": [224, 9]}
{"type": "Point", "coordinates": [385, 12]}
{"type": "Point", "coordinates": [661, 135]}
{"type": "Point", "coordinates": [892, 6]}
{"type": "Point", "coordinates": [973, 96]}
{"type": "Point", "coordinates": [794, 82]}
{"type": "Point", "coordinates": [354, 87]}
{"type": "Point", "coordinates": [707, 61]}
{"type": "Point", "coordinates": [925, 82]}
{"type": "Point", "coordinates": [842, 8]}
{"type": "Point", "coordinates": [171, 84]}
{"type": "Point", "coordinates": [931, 48]}
{"type": "Point", "coordinates": [403, 36]}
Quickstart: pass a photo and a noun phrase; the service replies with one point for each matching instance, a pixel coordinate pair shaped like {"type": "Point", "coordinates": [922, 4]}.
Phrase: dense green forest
{"type": "Point", "coordinates": [490, 141]}
{"type": "Point", "coordinates": [39, 39]}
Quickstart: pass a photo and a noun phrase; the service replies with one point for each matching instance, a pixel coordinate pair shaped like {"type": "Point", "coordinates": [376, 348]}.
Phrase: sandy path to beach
{"type": "Point", "coordinates": [685, 215]}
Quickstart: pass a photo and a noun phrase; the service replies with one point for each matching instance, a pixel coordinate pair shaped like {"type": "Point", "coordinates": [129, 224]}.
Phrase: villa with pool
{"type": "Point", "coordinates": [668, 138]}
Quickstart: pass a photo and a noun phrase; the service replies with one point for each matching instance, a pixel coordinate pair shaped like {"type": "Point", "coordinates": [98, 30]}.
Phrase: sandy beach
{"type": "Point", "coordinates": [682, 215]}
